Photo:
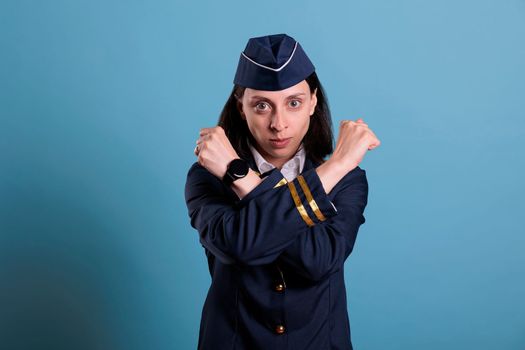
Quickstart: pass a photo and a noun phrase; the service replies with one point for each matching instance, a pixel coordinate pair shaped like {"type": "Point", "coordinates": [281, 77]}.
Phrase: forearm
{"type": "Point", "coordinates": [325, 247]}
{"type": "Point", "coordinates": [331, 172]}
{"type": "Point", "coordinates": [245, 185]}
{"type": "Point", "coordinates": [245, 231]}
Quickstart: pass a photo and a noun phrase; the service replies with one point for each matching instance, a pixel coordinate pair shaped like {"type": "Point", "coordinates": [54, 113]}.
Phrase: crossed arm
{"type": "Point", "coordinates": [294, 221]}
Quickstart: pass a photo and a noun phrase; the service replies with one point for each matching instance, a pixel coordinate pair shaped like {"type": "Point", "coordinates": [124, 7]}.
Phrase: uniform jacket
{"type": "Point", "coordinates": [276, 259]}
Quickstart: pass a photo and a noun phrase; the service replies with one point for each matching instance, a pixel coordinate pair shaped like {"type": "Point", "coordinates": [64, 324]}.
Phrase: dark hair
{"type": "Point", "coordinates": [317, 141]}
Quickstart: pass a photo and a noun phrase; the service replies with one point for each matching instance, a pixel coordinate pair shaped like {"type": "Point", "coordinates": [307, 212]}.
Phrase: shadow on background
{"type": "Point", "coordinates": [58, 276]}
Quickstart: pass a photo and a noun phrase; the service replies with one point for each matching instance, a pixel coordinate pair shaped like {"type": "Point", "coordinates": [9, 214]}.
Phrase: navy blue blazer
{"type": "Point", "coordinates": [276, 259]}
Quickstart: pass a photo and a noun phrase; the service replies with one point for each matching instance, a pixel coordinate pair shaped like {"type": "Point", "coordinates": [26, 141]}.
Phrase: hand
{"type": "Point", "coordinates": [355, 138]}
{"type": "Point", "coordinates": [214, 151]}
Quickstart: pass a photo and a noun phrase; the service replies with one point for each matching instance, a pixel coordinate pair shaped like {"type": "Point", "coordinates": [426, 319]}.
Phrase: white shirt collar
{"type": "Point", "coordinates": [290, 170]}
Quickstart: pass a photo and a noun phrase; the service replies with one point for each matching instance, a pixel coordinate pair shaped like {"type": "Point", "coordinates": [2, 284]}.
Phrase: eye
{"type": "Point", "coordinates": [261, 106]}
{"type": "Point", "coordinates": [295, 103]}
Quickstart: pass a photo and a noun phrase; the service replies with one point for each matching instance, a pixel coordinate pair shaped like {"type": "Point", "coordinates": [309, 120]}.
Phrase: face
{"type": "Point", "coordinates": [278, 120]}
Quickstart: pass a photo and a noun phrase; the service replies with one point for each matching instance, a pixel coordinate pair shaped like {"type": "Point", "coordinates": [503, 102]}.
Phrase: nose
{"type": "Point", "coordinates": [278, 122]}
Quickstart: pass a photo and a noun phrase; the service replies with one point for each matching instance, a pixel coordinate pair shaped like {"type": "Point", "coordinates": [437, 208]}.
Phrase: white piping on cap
{"type": "Point", "coordinates": [270, 68]}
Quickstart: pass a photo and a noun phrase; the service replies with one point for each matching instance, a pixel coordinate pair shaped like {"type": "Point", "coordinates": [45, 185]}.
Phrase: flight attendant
{"type": "Point", "coordinates": [276, 207]}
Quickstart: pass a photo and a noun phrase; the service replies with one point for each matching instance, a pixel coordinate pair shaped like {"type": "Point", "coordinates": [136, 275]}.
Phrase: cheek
{"type": "Point", "coordinates": [256, 126]}
{"type": "Point", "coordinates": [305, 125]}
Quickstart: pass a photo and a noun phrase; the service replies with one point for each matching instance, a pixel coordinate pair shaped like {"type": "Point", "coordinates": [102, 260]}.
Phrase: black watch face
{"type": "Point", "coordinates": [238, 168]}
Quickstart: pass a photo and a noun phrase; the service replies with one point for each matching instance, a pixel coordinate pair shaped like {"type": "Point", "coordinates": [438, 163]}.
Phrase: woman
{"type": "Point", "coordinates": [276, 220]}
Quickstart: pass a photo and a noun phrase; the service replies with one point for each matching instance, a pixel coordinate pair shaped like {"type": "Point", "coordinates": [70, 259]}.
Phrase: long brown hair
{"type": "Point", "coordinates": [317, 141]}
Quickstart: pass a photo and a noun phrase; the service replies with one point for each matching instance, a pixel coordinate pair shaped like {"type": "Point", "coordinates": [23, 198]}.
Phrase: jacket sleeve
{"type": "Point", "coordinates": [257, 228]}
{"type": "Point", "coordinates": [325, 247]}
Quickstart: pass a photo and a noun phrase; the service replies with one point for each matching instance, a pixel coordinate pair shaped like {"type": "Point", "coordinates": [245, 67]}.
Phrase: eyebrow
{"type": "Point", "coordinates": [265, 98]}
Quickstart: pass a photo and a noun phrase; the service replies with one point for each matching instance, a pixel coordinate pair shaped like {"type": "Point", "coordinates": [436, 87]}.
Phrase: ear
{"type": "Point", "coordinates": [313, 102]}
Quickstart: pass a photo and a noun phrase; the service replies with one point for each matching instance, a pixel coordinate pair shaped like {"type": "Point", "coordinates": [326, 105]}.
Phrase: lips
{"type": "Point", "coordinates": [280, 143]}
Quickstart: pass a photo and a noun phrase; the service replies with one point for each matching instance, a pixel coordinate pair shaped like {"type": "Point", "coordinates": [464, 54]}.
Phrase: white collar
{"type": "Point", "coordinates": [291, 169]}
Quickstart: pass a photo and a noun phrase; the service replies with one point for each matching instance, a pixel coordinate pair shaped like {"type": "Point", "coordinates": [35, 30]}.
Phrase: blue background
{"type": "Point", "coordinates": [101, 103]}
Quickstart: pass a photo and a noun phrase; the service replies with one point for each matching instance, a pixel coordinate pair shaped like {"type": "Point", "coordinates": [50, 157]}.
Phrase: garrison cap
{"type": "Point", "coordinates": [272, 62]}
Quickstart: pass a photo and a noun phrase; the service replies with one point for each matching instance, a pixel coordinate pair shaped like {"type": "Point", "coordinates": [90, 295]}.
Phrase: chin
{"type": "Point", "coordinates": [283, 153]}
{"type": "Point", "coordinates": [286, 152]}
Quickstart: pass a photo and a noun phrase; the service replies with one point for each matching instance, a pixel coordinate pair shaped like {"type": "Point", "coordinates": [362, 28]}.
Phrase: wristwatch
{"type": "Point", "coordinates": [237, 169]}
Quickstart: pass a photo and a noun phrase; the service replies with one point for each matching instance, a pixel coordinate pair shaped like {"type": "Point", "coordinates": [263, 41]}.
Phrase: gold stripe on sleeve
{"type": "Point", "coordinates": [310, 198]}
{"type": "Point", "coordinates": [299, 205]}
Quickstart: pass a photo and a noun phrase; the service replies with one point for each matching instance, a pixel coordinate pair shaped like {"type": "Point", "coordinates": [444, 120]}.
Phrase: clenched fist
{"type": "Point", "coordinates": [355, 138]}
{"type": "Point", "coordinates": [214, 151]}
